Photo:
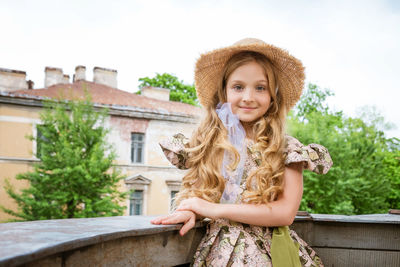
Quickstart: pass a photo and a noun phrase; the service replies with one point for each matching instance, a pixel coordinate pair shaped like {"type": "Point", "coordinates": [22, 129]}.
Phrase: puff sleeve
{"type": "Point", "coordinates": [315, 157]}
{"type": "Point", "coordinates": [174, 150]}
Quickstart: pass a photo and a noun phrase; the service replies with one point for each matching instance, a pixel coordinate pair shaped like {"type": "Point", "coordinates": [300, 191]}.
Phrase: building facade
{"type": "Point", "coordinates": [137, 123]}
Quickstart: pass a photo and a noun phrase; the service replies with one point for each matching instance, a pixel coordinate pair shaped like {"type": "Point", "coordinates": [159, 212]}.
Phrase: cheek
{"type": "Point", "coordinates": [230, 97]}
{"type": "Point", "coordinates": [233, 100]}
{"type": "Point", "coordinates": [266, 102]}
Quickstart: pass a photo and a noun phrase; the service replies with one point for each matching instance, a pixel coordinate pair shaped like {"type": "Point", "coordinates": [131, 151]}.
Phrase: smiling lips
{"type": "Point", "coordinates": [247, 108]}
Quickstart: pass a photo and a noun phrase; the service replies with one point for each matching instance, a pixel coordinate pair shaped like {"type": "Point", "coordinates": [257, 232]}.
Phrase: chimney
{"type": "Point", "coordinates": [65, 78]}
{"type": "Point", "coordinates": [53, 76]}
{"type": "Point", "coordinates": [155, 92]}
{"type": "Point", "coordinates": [31, 84]}
{"type": "Point", "coordinates": [12, 80]}
{"type": "Point", "coordinates": [105, 76]}
{"type": "Point", "coordinates": [80, 73]}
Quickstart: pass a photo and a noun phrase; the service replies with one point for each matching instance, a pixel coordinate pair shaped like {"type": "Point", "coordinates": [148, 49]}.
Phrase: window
{"type": "Point", "coordinates": [173, 193]}
{"type": "Point", "coordinates": [136, 203]}
{"type": "Point", "coordinates": [139, 186]}
{"type": "Point", "coordinates": [40, 139]}
{"type": "Point", "coordinates": [137, 148]}
{"type": "Point", "coordinates": [173, 187]}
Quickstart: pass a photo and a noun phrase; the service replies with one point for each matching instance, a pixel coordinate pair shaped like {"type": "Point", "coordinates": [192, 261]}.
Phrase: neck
{"type": "Point", "coordinates": [248, 127]}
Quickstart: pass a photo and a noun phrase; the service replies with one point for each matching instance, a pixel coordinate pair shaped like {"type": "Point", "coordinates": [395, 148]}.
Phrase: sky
{"type": "Point", "coordinates": [349, 47]}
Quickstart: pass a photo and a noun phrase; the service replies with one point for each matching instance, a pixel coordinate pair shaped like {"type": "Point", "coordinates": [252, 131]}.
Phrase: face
{"type": "Point", "coordinates": [247, 91]}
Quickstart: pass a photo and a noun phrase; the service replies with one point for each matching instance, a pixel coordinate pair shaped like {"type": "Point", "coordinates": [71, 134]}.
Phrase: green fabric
{"type": "Point", "coordinates": [284, 251]}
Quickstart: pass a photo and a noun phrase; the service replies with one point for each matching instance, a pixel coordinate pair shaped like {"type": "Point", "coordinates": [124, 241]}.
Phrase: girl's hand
{"type": "Point", "coordinates": [188, 218]}
{"type": "Point", "coordinates": [200, 206]}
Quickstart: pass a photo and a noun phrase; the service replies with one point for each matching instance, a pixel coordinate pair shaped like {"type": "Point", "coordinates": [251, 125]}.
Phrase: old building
{"type": "Point", "coordinates": [137, 124]}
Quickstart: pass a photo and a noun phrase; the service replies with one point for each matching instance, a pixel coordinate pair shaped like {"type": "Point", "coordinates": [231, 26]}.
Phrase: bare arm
{"type": "Point", "coordinates": [277, 213]}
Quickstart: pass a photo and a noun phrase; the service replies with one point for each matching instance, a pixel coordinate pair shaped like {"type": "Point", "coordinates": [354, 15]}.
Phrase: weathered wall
{"type": "Point", "coordinates": [120, 135]}
{"type": "Point", "coordinates": [159, 130]}
{"type": "Point", "coordinates": [12, 80]}
{"type": "Point", "coordinates": [159, 201]}
{"type": "Point", "coordinates": [16, 153]}
{"type": "Point", "coordinates": [53, 76]}
{"type": "Point", "coordinates": [156, 92]}
{"type": "Point", "coordinates": [156, 167]}
{"type": "Point", "coordinates": [105, 76]}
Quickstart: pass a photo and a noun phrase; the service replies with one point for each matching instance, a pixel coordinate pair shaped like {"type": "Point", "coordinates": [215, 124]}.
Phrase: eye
{"type": "Point", "coordinates": [261, 88]}
{"type": "Point", "coordinates": [237, 87]}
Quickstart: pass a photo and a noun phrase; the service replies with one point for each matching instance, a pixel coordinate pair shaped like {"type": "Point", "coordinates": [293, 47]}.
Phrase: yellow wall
{"type": "Point", "coordinates": [8, 171]}
{"type": "Point", "coordinates": [12, 139]}
{"type": "Point", "coordinates": [19, 111]}
{"type": "Point", "coordinates": [16, 122]}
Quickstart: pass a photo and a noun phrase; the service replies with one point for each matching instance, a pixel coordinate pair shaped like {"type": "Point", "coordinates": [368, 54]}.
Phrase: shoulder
{"type": "Point", "coordinates": [174, 149]}
{"type": "Point", "coordinates": [314, 157]}
{"type": "Point", "coordinates": [174, 143]}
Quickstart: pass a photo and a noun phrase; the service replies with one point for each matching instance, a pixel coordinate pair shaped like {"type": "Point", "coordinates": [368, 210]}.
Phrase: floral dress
{"type": "Point", "coordinates": [229, 243]}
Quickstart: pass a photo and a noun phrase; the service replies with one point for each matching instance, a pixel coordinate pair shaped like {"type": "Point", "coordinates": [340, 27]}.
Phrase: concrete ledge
{"type": "Point", "coordinates": [120, 241]}
{"type": "Point", "coordinates": [362, 240]}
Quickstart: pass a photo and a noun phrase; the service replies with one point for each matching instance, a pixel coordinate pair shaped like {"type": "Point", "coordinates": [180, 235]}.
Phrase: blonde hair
{"type": "Point", "coordinates": [209, 142]}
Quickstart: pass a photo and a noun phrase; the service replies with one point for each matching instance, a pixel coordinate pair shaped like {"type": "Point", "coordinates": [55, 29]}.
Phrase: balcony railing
{"type": "Point", "coordinates": [363, 240]}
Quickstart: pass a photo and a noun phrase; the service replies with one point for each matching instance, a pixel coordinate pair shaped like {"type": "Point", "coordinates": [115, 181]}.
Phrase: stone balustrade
{"type": "Point", "coordinates": [363, 240]}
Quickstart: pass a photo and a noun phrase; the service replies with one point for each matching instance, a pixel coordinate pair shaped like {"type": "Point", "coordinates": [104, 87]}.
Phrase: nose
{"type": "Point", "coordinates": [247, 95]}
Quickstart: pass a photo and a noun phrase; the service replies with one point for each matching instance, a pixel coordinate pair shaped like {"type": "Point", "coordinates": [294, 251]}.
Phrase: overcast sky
{"type": "Point", "coordinates": [350, 47]}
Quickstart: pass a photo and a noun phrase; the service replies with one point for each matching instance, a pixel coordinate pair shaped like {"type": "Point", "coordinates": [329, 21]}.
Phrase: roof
{"type": "Point", "coordinates": [106, 95]}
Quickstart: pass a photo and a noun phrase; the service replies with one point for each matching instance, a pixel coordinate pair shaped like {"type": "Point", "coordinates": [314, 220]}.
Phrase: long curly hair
{"type": "Point", "coordinates": [209, 142]}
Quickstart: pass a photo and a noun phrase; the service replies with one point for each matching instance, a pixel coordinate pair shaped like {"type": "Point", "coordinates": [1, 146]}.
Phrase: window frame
{"type": "Point", "coordinates": [173, 185]}
{"type": "Point", "coordinates": [134, 201]}
{"type": "Point", "coordinates": [39, 138]}
{"type": "Point", "coordinates": [138, 182]}
{"type": "Point", "coordinates": [136, 145]}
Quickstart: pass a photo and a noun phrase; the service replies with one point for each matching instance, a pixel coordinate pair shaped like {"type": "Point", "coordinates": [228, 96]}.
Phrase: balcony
{"type": "Point", "coordinates": [362, 240]}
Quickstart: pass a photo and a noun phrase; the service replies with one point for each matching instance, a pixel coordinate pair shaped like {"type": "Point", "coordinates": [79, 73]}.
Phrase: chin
{"type": "Point", "coordinates": [247, 120]}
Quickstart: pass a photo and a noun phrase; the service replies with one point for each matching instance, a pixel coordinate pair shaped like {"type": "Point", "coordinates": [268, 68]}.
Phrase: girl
{"type": "Point", "coordinates": [244, 173]}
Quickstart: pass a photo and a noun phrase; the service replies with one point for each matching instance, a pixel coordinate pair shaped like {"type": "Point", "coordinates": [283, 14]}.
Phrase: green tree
{"type": "Point", "coordinates": [75, 177]}
{"type": "Point", "coordinates": [391, 170]}
{"type": "Point", "coordinates": [179, 91]}
{"type": "Point", "coordinates": [365, 169]}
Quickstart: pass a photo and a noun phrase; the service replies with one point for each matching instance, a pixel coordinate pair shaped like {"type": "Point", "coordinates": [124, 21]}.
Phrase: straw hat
{"type": "Point", "coordinates": [289, 70]}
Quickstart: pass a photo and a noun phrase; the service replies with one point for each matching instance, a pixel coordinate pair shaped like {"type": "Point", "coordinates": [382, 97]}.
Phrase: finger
{"type": "Point", "coordinates": [188, 225]}
{"type": "Point", "coordinates": [173, 219]}
{"type": "Point", "coordinates": [158, 219]}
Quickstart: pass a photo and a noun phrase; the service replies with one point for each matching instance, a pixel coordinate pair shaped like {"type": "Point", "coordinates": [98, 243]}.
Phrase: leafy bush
{"type": "Point", "coordinates": [365, 176]}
